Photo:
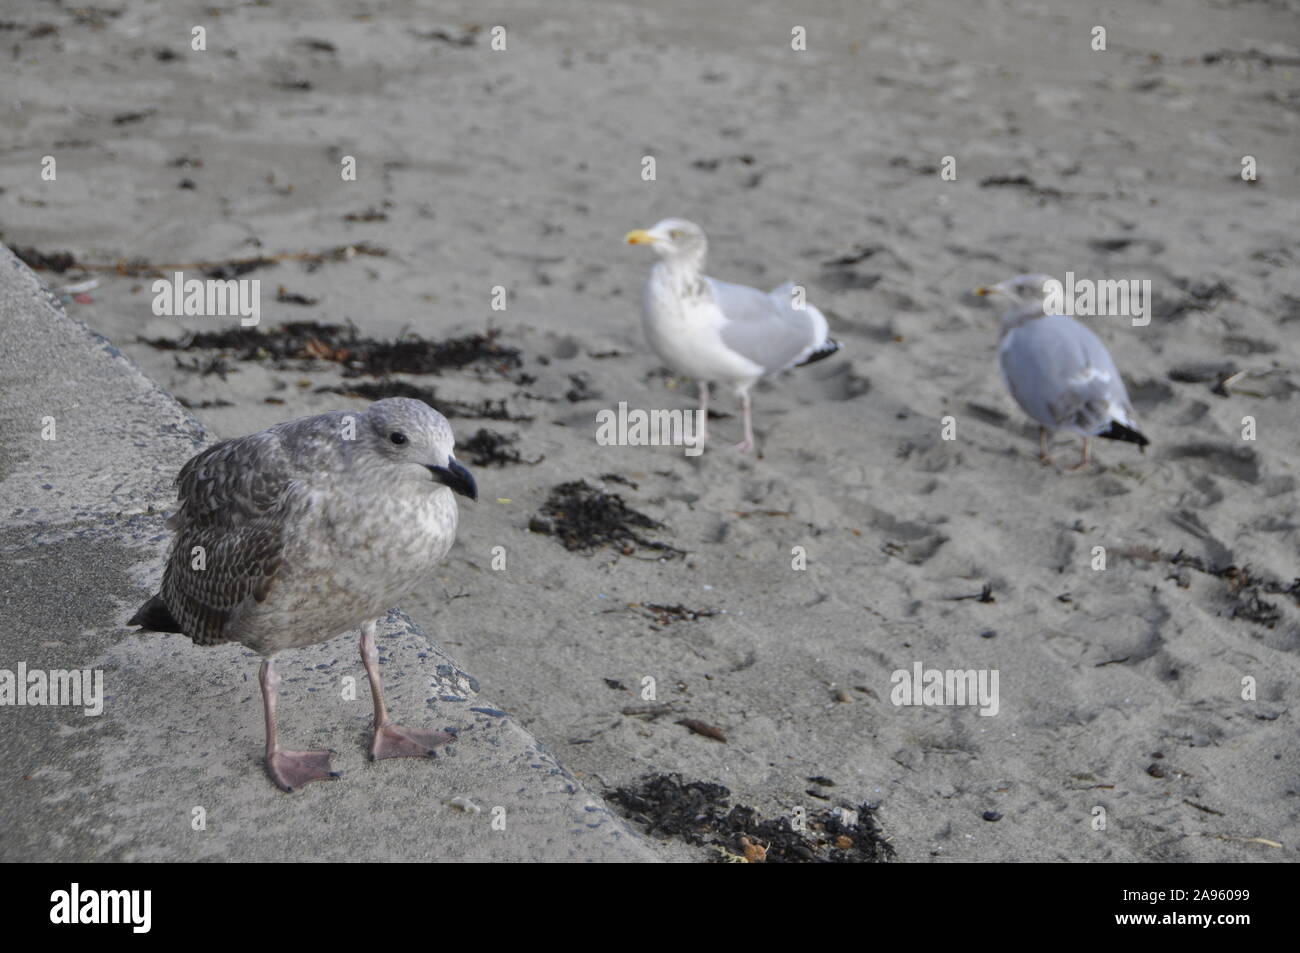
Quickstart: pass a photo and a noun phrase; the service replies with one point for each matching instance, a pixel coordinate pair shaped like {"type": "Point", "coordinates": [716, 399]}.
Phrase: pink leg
{"type": "Point", "coordinates": [1083, 461]}
{"type": "Point", "coordinates": [393, 741]}
{"type": "Point", "coordinates": [288, 769]}
{"type": "Point", "coordinates": [747, 444]}
{"type": "Point", "coordinates": [1043, 455]}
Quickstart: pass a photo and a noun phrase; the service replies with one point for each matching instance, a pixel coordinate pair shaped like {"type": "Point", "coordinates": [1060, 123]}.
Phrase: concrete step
{"type": "Point", "coordinates": [171, 769]}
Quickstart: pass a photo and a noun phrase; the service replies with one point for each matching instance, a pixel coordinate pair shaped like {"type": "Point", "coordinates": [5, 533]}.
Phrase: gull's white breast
{"type": "Point", "coordinates": [348, 563]}
{"type": "Point", "coordinates": [685, 331]}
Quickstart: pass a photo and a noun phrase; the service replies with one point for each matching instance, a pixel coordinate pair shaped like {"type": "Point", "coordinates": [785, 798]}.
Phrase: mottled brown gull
{"type": "Point", "coordinates": [297, 534]}
{"type": "Point", "coordinates": [715, 331]}
{"type": "Point", "coordinates": [1058, 370]}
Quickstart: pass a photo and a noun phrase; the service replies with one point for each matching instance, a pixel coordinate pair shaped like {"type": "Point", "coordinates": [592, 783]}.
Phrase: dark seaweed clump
{"type": "Point", "coordinates": [1245, 589]}
{"type": "Point", "coordinates": [583, 518]}
{"type": "Point", "coordinates": [355, 354]}
{"type": "Point", "coordinates": [1246, 586]}
{"type": "Point", "coordinates": [699, 813]}
{"type": "Point", "coordinates": [37, 260]}
{"type": "Point", "coordinates": [666, 615]}
{"type": "Point", "coordinates": [487, 448]}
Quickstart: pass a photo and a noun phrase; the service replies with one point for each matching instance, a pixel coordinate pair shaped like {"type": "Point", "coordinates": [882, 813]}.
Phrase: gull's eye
{"type": "Point", "coordinates": [397, 438]}
{"type": "Point", "coordinates": [676, 233]}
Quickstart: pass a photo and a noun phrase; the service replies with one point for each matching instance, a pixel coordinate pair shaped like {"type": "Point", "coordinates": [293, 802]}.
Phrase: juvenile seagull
{"type": "Point", "coordinates": [297, 534]}
{"type": "Point", "coordinates": [1058, 371]}
{"type": "Point", "coordinates": [715, 331]}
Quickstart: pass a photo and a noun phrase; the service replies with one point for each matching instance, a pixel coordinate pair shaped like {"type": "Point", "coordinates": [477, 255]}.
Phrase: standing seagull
{"type": "Point", "coordinates": [297, 534]}
{"type": "Point", "coordinates": [715, 331]}
{"type": "Point", "coordinates": [1058, 371]}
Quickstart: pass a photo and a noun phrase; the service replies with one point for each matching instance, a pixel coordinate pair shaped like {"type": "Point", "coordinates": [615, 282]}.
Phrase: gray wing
{"type": "Point", "coordinates": [765, 327]}
{"type": "Point", "coordinates": [1063, 376]}
{"type": "Point", "coordinates": [235, 500]}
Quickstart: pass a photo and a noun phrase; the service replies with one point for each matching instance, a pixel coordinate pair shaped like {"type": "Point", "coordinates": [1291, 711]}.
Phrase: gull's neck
{"type": "Point", "coordinates": [683, 273]}
{"type": "Point", "coordinates": [1018, 315]}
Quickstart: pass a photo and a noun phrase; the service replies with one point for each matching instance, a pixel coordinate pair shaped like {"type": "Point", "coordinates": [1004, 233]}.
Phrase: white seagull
{"type": "Point", "coordinates": [1059, 372]}
{"type": "Point", "coordinates": [715, 331]}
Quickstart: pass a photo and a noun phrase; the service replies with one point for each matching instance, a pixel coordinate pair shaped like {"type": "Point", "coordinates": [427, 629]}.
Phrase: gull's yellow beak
{"type": "Point", "coordinates": [638, 236]}
{"type": "Point", "coordinates": [982, 290]}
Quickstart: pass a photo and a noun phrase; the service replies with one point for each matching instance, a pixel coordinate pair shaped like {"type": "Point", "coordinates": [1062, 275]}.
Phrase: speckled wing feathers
{"type": "Point", "coordinates": [233, 499]}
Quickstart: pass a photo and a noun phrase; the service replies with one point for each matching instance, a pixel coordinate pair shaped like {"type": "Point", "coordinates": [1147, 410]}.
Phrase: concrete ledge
{"type": "Point", "coordinates": [180, 736]}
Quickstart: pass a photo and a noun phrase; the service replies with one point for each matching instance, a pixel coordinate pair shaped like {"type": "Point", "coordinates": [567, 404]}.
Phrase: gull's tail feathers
{"type": "Point", "coordinates": [821, 352]}
{"type": "Point", "coordinates": [1119, 431]}
{"type": "Point", "coordinates": [154, 616]}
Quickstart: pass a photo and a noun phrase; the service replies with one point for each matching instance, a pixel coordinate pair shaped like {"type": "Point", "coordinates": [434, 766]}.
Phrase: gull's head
{"type": "Point", "coordinates": [418, 441]}
{"type": "Point", "coordinates": [1023, 293]}
{"type": "Point", "coordinates": [671, 238]}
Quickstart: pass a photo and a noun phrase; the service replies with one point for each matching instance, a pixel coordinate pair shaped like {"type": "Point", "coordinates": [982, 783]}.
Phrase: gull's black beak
{"type": "Point", "coordinates": [456, 477]}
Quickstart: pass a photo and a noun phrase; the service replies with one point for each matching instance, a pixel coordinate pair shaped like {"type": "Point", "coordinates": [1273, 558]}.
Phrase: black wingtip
{"type": "Point", "coordinates": [827, 348]}
{"type": "Point", "coordinates": [1117, 431]}
{"type": "Point", "coordinates": [154, 616]}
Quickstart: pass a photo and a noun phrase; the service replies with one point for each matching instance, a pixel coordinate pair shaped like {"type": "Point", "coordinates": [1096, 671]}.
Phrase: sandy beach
{"type": "Point", "coordinates": [1161, 689]}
